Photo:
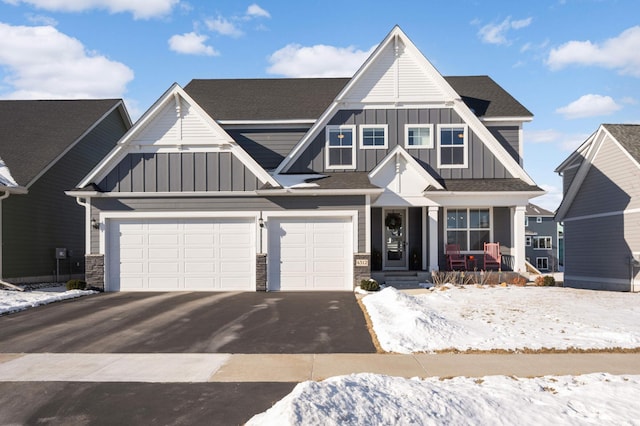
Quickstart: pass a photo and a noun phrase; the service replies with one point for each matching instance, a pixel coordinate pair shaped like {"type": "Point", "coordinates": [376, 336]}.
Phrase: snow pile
{"type": "Point", "coordinates": [369, 399]}
{"type": "Point", "coordinates": [509, 318]}
{"type": "Point", "coordinates": [12, 301]}
{"type": "Point", "coordinates": [298, 181]}
{"type": "Point", "coordinates": [5, 175]}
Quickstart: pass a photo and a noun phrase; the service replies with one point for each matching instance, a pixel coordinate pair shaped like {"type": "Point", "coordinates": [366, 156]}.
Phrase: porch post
{"type": "Point", "coordinates": [518, 239]}
{"type": "Point", "coordinates": [424, 239]}
{"type": "Point", "coordinates": [433, 238]}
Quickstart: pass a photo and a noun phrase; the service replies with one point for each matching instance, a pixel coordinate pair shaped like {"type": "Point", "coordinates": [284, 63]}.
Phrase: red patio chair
{"type": "Point", "coordinates": [454, 258]}
{"type": "Point", "coordinates": [492, 256]}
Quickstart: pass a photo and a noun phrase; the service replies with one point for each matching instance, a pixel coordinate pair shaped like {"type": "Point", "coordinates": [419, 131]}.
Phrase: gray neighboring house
{"type": "Point", "coordinates": [46, 148]}
{"type": "Point", "coordinates": [600, 210]}
{"type": "Point", "coordinates": [541, 239]}
{"type": "Point", "coordinates": [310, 184]}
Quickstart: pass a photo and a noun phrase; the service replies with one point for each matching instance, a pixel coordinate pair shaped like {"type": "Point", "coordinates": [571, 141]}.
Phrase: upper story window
{"type": "Point", "coordinates": [373, 136]}
{"type": "Point", "coordinates": [541, 243]}
{"type": "Point", "coordinates": [340, 147]}
{"type": "Point", "coordinates": [418, 136]}
{"type": "Point", "coordinates": [452, 146]}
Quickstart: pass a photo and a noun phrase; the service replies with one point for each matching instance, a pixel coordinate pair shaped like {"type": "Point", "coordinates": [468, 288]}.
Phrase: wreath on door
{"type": "Point", "coordinates": [393, 221]}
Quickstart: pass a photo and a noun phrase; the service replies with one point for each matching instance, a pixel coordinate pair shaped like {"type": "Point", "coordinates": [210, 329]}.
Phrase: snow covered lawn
{"type": "Point", "coordinates": [11, 301]}
{"type": "Point", "coordinates": [510, 318]}
{"type": "Point", "coordinates": [369, 399]}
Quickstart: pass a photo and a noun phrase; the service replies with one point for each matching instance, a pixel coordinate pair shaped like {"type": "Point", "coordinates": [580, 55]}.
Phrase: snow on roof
{"type": "Point", "coordinates": [6, 179]}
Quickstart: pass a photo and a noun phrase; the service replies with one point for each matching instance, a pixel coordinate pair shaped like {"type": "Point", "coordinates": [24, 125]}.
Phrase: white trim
{"type": "Point", "coordinates": [425, 244]}
{"type": "Point", "coordinates": [468, 228]}
{"type": "Point", "coordinates": [538, 267]}
{"type": "Point", "coordinates": [541, 237]}
{"type": "Point", "coordinates": [433, 238]}
{"type": "Point", "coordinates": [87, 223]}
{"type": "Point", "coordinates": [311, 191]}
{"type": "Point", "coordinates": [601, 215]}
{"type": "Point", "coordinates": [528, 240]}
{"type": "Point", "coordinates": [340, 128]}
{"type": "Point", "coordinates": [267, 122]}
{"type": "Point", "coordinates": [538, 219]}
{"type": "Point", "coordinates": [127, 121]}
{"type": "Point", "coordinates": [418, 126]}
{"type": "Point", "coordinates": [507, 121]}
{"type": "Point", "coordinates": [367, 224]}
{"type": "Point", "coordinates": [362, 128]}
{"type": "Point", "coordinates": [399, 150]}
{"type": "Point", "coordinates": [465, 146]}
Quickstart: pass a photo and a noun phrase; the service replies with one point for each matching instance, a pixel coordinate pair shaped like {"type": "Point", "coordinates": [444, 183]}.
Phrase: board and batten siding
{"type": "Point", "coordinates": [231, 204]}
{"type": "Point", "coordinates": [267, 146]}
{"type": "Point", "coordinates": [179, 172]}
{"type": "Point", "coordinates": [482, 164]}
{"type": "Point", "coordinates": [611, 184]}
{"type": "Point", "coordinates": [31, 237]}
{"type": "Point", "coordinates": [509, 138]}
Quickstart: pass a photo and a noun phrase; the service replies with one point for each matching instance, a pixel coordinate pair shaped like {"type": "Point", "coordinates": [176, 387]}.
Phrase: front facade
{"type": "Point", "coordinates": [310, 184]}
{"type": "Point", "coordinates": [542, 239]}
{"type": "Point", "coordinates": [600, 210]}
{"type": "Point", "coordinates": [46, 147]}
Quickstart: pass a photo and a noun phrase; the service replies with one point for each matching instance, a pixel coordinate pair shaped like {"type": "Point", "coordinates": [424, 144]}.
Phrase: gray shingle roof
{"type": "Point", "coordinates": [628, 135]}
{"type": "Point", "coordinates": [485, 185]}
{"type": "Point", "coordinates": [308, 98]}
{"type": "Point", "coordinates": [534, 210]}
{"type": "Point", "coordinates": [34, 133]}
{"type": "Point", "coordinates": [350, 180]}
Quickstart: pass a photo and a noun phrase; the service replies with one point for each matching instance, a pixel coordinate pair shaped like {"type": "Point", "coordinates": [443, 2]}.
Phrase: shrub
{"type": "Point", "coordinates": [546, 281]}
{"type": "Point", "coordinates": [76, 285]}
{"type": "Point", "coordinates": [519, 281]}
{"type": "Point", "coordinates": [370, 285]}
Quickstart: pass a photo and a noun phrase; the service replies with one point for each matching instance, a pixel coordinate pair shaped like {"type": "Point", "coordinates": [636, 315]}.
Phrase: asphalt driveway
{"type": "Point", "coordinates": [191, 322]}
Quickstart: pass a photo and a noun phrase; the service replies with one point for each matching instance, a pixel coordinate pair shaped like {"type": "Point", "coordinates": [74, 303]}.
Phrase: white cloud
{"type": "Point", "coordinates": [140, 9]}
{"type": "Point", "coordinates": [551, 200]}
{"type": "Point", "coordinates": [191, 44]}
{"type": "Point", "coordinates": [41, 20]}
{"type": "Point", "coordinates": [620, 53]}
{"type": "Point", "coordinates": [565, 141]}
{"type": "Point", "coordinates": [497, 33]}
{"type": "Point", "coordinates": [43, 63]}
{"type": "Point", "coordinates": [542, 136]}
{"type": "Point", "coordinates": [320, 60]}
{"type": "Point", "coordinates": [589, 106]}
{"type": "Point", "coordinates": [223, 26]}
{"type": "Point", "coordinates": [255, 11]}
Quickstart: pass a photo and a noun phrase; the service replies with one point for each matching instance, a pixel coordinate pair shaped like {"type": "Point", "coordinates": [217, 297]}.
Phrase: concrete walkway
{"type": "Point", "coordinates": [200, 368]}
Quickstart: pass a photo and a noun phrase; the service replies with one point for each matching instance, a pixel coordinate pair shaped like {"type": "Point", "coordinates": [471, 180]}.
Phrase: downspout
{"type": "Point", "coordinates": [87, 223]}
{"type": "Point", "coordinates": [2, 197]}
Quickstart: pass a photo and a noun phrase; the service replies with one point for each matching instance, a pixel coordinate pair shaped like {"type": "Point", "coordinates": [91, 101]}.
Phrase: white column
{"type": "Point", "coordinates": [433, 238]}
{"type": "Point", "coordinates": [518, 239]}
{"type": "Point", "coordinates": [424, 239]}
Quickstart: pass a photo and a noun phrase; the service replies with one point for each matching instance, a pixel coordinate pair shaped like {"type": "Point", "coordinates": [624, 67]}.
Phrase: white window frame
{"type": "Point", "coordinates": [526, 221]}
{"type": "Point", "coordinates": [527, 240]}
{"type": "Point", "coordinates": [418, 126]}
{"type": "Point", "coordinates": [538, 259]}
{"type": "Point", "coordinates": [333, 128]}
{"type": "Point", "coordinates": [468, 229]}
{"type": "Point", "coordinates": [543, 237]}
{"type": "Point", "coordinates": [465, 146]}
{"type": "Point", "coordinates": [385, 127]}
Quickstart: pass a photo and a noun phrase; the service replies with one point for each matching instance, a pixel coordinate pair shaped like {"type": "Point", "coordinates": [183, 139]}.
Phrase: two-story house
{"type": "Point", "coordinates": [310, 184]}
{"type": "Point", "coordinates": [542, 237]}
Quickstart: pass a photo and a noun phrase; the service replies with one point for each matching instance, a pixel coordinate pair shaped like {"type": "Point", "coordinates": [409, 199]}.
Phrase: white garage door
{"type": "Point", "coordinates": [310, 254]}
{"type": "Point", "coordinates": [181, 254]}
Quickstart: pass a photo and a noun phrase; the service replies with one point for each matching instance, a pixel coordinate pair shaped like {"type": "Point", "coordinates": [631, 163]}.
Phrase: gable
{"type": "Point", "coordinates": [177, 140]}
{"type": "Point", "coordinates": [35, 134]}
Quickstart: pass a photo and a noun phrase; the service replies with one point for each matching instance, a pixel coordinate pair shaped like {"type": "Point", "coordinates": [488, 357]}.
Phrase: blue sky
{"type": "Point", "coordinates": [573, 63]}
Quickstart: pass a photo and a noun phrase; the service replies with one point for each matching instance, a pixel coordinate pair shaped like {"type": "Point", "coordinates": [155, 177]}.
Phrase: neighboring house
{"type": "Point", "coordinates": [601, 210]}
{"type": "Point", "coordinates": [541, 239]}
{"type": "Point", "coordinates": [310, 184]}
{"type": "Point", "coordinates": [47, 147]}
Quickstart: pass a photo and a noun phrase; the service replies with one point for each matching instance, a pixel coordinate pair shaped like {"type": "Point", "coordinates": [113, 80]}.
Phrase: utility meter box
{"type": "Point", "coordinates": [61, 253]}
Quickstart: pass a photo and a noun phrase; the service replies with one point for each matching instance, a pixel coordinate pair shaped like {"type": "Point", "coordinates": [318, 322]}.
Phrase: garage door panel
{"type": "Point", "coordinates": [310, 253]}
{"type": "Point", "coordinates": [182, 254]}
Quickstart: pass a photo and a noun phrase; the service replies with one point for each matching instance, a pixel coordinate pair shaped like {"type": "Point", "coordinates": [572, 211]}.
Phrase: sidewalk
{"type": "Point", "coordinates": [200, 368]}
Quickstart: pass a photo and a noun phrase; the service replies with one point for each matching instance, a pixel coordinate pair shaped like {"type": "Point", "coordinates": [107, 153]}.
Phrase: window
{"type": "Point", "coordinates": [373, 136]}
{"type": "Point", "coordinates": [542, 263]}
{"type": "Point", "coordinates": [542, 243]}
{"type": "Point", "coordinates": [527, 241]}
{"type": "Point", "coordinates": [526, 221]}
{"type": "Point", "coordinates": [452, 146]}
{"type": "Point", "coordinates": [340, 147]}
{"type": "Point", "coordinates": [469, 228]}
{"type": "Point", "coordinates": [418, 136]}
{"type": "Point", "coordinates": [539, 219]}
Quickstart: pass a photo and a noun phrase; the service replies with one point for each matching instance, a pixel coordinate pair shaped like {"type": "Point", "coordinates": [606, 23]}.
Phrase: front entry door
{"type": "Point", "coordinates": [395, 239]}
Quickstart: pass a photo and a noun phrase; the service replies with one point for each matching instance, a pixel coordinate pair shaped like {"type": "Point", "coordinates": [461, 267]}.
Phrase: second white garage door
{"type": "Point", "coordinates": [310, 254]}
{"type": "Point", "coordinates": [181, 254]}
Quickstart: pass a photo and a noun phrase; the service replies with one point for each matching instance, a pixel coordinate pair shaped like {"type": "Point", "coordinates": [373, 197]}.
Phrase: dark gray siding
{"type": "Point", "coordinates": [548, 228]}
{"type": "Point", "coordinates": [415, 238]}
{"type": "Point", "coordinates": [376, 238]}
{"type": "Point", "coordinates": [509, 138]}
{"type": "Point", "coordinates": [36, 223]}
{"type": "Point", "coordinates": [481, 164]}
{"type": "Point", "coordinates": [268, 146]}
{"type": "Point", "coordinates": [567, 177]}
{"type": "Point", "coordinates": [179, 172]}
{"type": "Point", "coordinates": [229, 204]}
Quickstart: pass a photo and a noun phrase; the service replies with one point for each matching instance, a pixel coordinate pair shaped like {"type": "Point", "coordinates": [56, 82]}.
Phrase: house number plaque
{"type": "Point", "coordinates": [362, 262]}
